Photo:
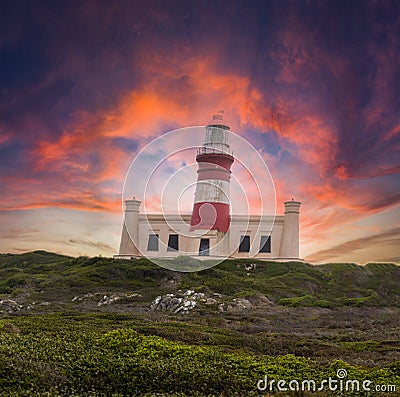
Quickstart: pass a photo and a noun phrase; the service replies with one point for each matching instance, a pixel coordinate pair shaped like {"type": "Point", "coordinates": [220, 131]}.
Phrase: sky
{"type": "Point", "coordinates": [314, 86]}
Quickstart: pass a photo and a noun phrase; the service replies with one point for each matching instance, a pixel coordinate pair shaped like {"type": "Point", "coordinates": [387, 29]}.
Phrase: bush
{"type": "Point", "coordinates": [125, 362]}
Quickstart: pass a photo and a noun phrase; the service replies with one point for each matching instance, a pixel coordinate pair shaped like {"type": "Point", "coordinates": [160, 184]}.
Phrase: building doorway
{"type": "Point", "coordinates": [204, 249]}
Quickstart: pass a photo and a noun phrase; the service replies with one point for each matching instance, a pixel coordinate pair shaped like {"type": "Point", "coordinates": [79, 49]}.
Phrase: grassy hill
{"type": "Point", "coordinates": [86, 327]}
{"type": "Point", "coordinates": [53, 277]}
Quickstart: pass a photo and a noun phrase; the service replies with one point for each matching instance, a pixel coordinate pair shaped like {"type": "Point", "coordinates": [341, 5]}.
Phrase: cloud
{"type": "Point", "coordinates": [4, 138]}
{"type": "Point", "coordinates": [388, 237]}
{"type": "Point", "coordinates": [19, 233]}
{"type": "Point", "coordinates": [90, 153]}
{"type": "Point", "coordinates": [394, 259]}
{"type": "Point", "coordinates": [101, 246]}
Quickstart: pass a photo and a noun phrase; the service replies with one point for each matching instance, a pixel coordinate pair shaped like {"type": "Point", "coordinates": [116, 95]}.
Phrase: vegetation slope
{"type": "Point", "coordinates": [305, 322]}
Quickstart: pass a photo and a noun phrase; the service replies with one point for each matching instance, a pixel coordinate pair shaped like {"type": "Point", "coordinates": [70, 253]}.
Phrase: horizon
{"type": "Point", "coordinates": [313, 86]}
{"type": "Point", "coordinates": [300, 261]}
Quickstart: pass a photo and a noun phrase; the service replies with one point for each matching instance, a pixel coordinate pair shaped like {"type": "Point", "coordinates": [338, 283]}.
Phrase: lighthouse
{"type": "Point", "coordinates": [210, 230]}
{"type": "Point", "coordinates": [211, 208]}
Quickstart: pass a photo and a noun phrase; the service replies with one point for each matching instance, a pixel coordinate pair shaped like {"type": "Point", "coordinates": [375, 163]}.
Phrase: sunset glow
{"type": "Point", "coordinates": [314, 86]}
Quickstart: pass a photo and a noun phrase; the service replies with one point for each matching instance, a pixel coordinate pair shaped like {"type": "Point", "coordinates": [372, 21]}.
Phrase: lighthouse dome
{"type": "Point", "coordinates": [217, 120]}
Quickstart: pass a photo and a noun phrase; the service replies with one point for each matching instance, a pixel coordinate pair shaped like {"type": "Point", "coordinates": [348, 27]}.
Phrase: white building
{"type": "Point", "coordinates": [211, 231]}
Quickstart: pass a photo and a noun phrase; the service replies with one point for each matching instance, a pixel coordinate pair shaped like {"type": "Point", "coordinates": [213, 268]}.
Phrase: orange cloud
{"type": "Point", "coordinates": [392, 133]}
{"type": "Point", "coordinates": [41, 194]}
{"type": "Point", "coordinates": [139, 115]}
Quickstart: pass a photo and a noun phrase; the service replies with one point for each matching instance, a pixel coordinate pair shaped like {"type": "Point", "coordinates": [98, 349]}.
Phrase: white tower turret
{"type": "Point", "coordinates": [130, 229]}
{"type": "Point", "coordinates": [289, 248]}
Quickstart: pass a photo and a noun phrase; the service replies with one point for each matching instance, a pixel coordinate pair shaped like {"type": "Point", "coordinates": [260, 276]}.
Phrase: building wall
{"type": "Point", "coordinates": [229, 242]}
{"type": "Point", "coordinates": [255, 227]}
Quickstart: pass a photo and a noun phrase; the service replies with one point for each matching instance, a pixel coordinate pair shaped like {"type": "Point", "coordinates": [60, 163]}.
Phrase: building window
{"type": "Point", "coordinates": [173, 242]}
{"type": "Point", "coordinates": [244, 245]}
{"type": "Point", "coordinates": [152, 244]}
{"type": "Point", "coordinates": [265, 244]}
{"type": "Point", "coordinates": [204, 249]}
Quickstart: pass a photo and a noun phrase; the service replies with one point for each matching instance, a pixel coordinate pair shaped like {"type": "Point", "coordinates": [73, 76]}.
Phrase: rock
{"type": "Point", "coordinates": [155, 303]}
{"type": "Point", "coordinates": [9, 306]}
{"type": "Point", "coordinates": [34, 304]}
{"type": "Point", "coordinates": [250, 266]}
{"type": "Point", "coordinates": [260, 300]}
{"type": "Point", "coordinates": [237, 305]}
{"type": "Point", "coordinates": [241, 304]}
{"type": "Point", "coordinates": [87, 296]}
{"type": "Point", "coordinates": [210, 301]}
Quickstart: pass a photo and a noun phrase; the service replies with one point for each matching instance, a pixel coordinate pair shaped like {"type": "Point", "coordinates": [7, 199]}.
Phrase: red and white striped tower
{"type": "Point", "coordinates": [211, 201]}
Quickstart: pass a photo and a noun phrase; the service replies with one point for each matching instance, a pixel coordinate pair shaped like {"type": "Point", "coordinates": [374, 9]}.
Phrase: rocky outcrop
{"type": "Point", "coordinates": [86, 297]}
{"type": "Point", "coordinates": [9, 306]}
{"type": "Point", "coordinates": [106, 299]}
{"type": "Point", "coordinates": [114, 298]}
{"type": "Point", "coordinates": [236, 305]}
{"type": "Point", "coordinates": [180, 303]}
{"type": "Point", "coordinates": [35, 304]}
{"type": "Point", "coordinates": [184, 302]}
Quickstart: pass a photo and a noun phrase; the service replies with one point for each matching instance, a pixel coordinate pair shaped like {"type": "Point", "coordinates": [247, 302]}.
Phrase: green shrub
{"type": "Point", "coordinates": [306, 300]}
{"type": "Point", "coordinates": [125, 362]}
